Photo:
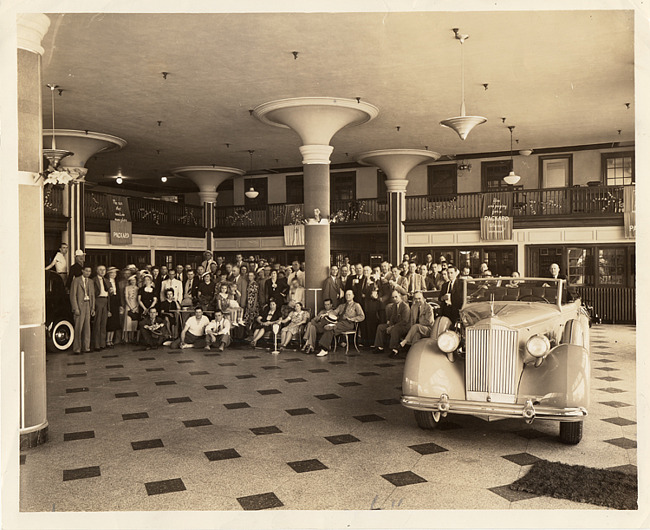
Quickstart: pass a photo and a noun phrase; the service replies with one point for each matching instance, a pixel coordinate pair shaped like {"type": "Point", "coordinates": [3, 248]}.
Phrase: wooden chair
{"type": "Point", "coordinates": [349, 335]}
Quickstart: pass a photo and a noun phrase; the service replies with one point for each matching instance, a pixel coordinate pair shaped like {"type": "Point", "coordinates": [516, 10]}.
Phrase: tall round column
{"type": "Point", "coordinates": [396, 164]}
{"type": "Point", "coordinates": [316, 120]}
{"type": "Point", "coordinates": [31, 252]}
{"type": "Point", "coordinates": [208, 179]}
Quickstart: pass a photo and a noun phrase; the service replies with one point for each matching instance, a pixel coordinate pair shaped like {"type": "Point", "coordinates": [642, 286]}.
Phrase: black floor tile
{"type": "Point", "coordinates": [115, 379]}
{"type": "Point", "coordinates": [619, 421]}
{"type": "Point", "coordinates": [512, 495]}
{"type": "Point", "coordinates": [175, 352]}
{"type": "Point", "coordinates": [263, 501]}
{"type": "Point", "coordinates": [368, 418]}
{"type": "Point", "coordinates": [605, 361]}
{"type": "Point", "coordinates": [222, 454]}
{"type": "Point", "coordinates": [184, 399]}
{"type": "Point", "coordinates": [185, 361]}
{"type": "Point", "coordinates": [112, 356]}
{"type": "Point", "coordinates": [165, 486]}
{"type": "Point", "coordinates": [293, 360]}
{"type": "Point", "coordinates": [70, 376]}
{"type": "Point", "coordinates": [246, 376]}
{"type": "Point", "coordinates": [338, 362]}
{"type": "Point", "coordinates": [609, 378]}
{"type": "Point", "coordinates": [227, 364]}
{"type": "Point", "coordinates": [318, 371]}
{"type": "Point", "coordinates": [615, 404]}
{"type": "Point", "coordinates": [81, 435]}
{"type": "Point", "coordinates": [350, 383]}
{"type": "Point", "coordinates": [531, 434]}
{"type": "Point", "coordinates": [147, 444]}
{"type": "Point", "coordinates": [135, 416]}
{"type": "Point", "coordinates": [296, 380]}
{"type": "Point", "coordinates": [197, 423]}
{"type": "Point", "coordinates": [327, 396]}
{"type": "Point", "coordinates": [147, 359]}
{"type": "Point", "coordinates": [366, 374]}
{"type": "Point", "coordinates": [385, 365]}
{"type": "Point", "coordinates": [391, 401]}
{"type": "Point", "coordinates": [164, 383]}
{"type": "Point", "coordinates": [82, 472]}
{"type": "Point", "coordinates": [78, 363]}
{"type": "Point", "coordinates": [240, 405]}
{"type": "Point", "coordinates": [521, 459]}
{"type": "Point", "coordinates": [215, 387]}
{"type": "Point", "coordinates": [214, 354]}
{"type": "Point", "coordinates": [342, 439]}
{"type": "Point", "coordinates": [299, 412]}
{"type": "Point", "coordinates": [271, 367]}
{"type": "Point", "coordinates": [404, 478]}
{"type": "Point", "coordinates": [612, 390]}
{"type": "Point", "coordinates": [73, 410]}
{"type": "Point", "coordinates": [428, 448]}
{"type": "Point", "coordinates": [304, 466]}
{"type": "Point", "coordinates": [269, 392]}
{"type": "Point", "coordinates": [448, 426]}
{"type": "Point", "coordinates": [606, 369]}
{"type": "Point", "coordinates": [155, 369]}
{"type": "Point", "coordinates": [623, 443]}
{"type": "Point", "coordinates": [126, 395]}
{"type": "Point", "coordinates": [75, 390]}
{"type": "Point", "coordinates": [110, 366]}
{"type": "Point", "coordinates": [200, 372]}
{"type": "Point", "coordinates": [272, 429]}
{"type": "Point", "coordinates": [251, 357]}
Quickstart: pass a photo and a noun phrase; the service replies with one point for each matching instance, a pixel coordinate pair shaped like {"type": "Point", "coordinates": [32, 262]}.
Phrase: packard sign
{"type": "Point", "coordinates": [121, 233]}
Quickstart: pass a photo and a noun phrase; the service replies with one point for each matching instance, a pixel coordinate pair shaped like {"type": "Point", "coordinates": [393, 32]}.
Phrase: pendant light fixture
{"type": "Point", "coordinates": [511, 178]}
{"type": "Point", "coordinates": [462, 124]}
{"type": "Point", "coordinates": [252, 193]}
{"type": "Point", "coordinates": [54, 155]}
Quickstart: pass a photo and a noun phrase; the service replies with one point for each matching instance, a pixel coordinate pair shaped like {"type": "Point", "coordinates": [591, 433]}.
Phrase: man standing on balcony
{"type": "Point", "coordinates": [60, 262]}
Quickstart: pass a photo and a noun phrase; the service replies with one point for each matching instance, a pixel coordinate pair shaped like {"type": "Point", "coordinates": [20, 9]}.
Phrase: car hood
{"type": "Point", "coordinates": [512, 314]}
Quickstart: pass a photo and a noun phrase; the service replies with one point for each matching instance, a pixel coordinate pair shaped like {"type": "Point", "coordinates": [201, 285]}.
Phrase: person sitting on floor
{"type": "Point", "coordinates": [217, 332]}
{"type": "Point", "coordinates": [153, 330]}
{"type": "Point", "coordinates": [193, 334]}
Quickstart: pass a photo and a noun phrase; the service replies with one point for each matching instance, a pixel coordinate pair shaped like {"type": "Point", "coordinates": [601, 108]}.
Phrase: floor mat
{"type": "Point", "coordinates": [602, 487]}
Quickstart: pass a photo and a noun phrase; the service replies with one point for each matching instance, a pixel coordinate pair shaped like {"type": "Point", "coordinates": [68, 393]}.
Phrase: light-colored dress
{"type": "Point", "coordinates": [298, 318]}
{"type": "Point", "coordinates": [130, 304]}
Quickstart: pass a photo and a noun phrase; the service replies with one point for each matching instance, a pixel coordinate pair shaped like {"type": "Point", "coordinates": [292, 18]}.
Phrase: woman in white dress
{"type": "Point", "coordinates": [130, 327]}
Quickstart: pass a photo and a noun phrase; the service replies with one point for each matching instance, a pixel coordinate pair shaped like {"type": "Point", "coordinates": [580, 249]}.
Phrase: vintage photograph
{"type": "Point", "coordinates": [328, 262]}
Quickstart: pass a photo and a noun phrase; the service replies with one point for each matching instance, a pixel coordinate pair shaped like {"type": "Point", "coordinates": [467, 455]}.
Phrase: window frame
{"type": "Point", "coordinates": [604, 157]}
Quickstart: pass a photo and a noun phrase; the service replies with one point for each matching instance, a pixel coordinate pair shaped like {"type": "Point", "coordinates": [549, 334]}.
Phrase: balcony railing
{"type": "Point", "coordinates": [53, 200]}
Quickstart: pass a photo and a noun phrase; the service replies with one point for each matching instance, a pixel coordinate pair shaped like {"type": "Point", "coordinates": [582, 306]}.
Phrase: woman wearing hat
{"type": "Point", "coordinates": [115, 309]}
{"type": "Point", "coordinates": [147, 294]}
{"type": "Point", "coordinates": [130, 309]}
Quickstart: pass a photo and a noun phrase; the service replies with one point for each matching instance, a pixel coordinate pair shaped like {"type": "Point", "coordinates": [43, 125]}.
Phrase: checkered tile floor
{"type": "Point", "coordinates": [246, 430]}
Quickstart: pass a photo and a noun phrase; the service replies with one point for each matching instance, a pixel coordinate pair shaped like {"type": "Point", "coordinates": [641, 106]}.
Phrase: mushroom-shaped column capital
{"type": "Point", "coordinates": [397, 163]}
{"type": "Point", "coordinates": [30, 29]}
{"type": "Point", "coordinates": [82, 145]}
{"type": "Point", "coordinates": [316, 120]}
{"type": "Point", "coordinates": [208, 178]}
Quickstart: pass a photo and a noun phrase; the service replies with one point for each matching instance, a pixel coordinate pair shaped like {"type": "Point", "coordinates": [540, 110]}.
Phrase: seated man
{"type": "Point", "coordinates": [217, 332]}
{"type": "Point", "coordinates": [421, 320]}
{"type": "Point", "coordinates": [193, 334]}
{"type": "Point", "coordinates": [316, 326]}
{"type": "Point", "coordinates": [153, 330]}
{"type": "Point", "coordinates": [396, 326]}
{"type": "Point", "coordinates": [349, 314]}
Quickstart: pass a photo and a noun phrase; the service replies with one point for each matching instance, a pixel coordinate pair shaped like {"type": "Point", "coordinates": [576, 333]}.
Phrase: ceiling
{"type": "Point", "coordinates": [562, 78]}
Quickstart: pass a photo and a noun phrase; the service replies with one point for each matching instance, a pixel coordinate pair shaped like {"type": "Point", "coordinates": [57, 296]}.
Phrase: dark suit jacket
{"type": "Point", "coordinates": [331, 290]}
{"type": "Point", "coordinates": [451, 311]}
{"type": "Point", "coordinates": [96, 280]}
{"type": "Point", "coordinates": [397, 314]}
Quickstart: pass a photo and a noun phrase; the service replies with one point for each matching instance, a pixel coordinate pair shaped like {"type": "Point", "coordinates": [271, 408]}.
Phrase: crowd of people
{"type": "Point", "coordinates": [204, 306]}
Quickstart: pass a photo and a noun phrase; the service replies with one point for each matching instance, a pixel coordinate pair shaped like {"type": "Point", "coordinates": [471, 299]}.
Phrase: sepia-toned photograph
{"type": "Point", "coordinates": [324, 263]}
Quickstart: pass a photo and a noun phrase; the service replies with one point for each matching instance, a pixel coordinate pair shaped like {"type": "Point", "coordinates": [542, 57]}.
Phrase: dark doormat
{"type": "Point", "coordinates": [580, 484]}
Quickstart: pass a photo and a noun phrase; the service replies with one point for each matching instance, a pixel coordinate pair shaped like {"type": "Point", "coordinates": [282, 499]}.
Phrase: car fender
{"type": "Point", "coordinates": [428, 372]}
{"type": "Point", "coordinates": [563, 377]}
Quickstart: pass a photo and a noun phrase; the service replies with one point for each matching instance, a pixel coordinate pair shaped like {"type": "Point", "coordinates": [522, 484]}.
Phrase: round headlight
{"type": "Point", "coordinates": [448, 341]}
{"type": "Point", "coordinates": [538, 345]}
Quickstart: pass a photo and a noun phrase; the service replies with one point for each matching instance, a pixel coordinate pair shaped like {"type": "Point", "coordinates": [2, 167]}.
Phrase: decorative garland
{"type": "Point", "coordinates": [354, 210]}
{"type": "Point", "coordinates": [241, 217]}
{"type": "Point", "coordinates": [451, 204]}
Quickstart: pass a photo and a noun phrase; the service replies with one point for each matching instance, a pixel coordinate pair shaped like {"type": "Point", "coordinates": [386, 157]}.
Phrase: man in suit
{"type": "Point", "coordinates": [190, 289]}
{"type": "Point", "coordinates": [421, 320]}
{"type": "Point", "coordinates": [242, 286]}
{"type": "Point", "coordinates": [451, 295]}
{"type": "Point", "coordinates": [344, 276]}
{"type": "Point", "coordinates": [180, 274]}
{"type": "Point", "coordinates": [101, 288]}
{"type": "Point", "coordinates": [396, 326]}
{"type": "Point", "coordinates": [82, 300]}
{"type": "Point", "coordinates": [331, 287]}
{"type": "Point", "coordinates": [349, 315]}
{"type": "Point", "coordinates": [171, 283]}
{"type": "Point", "coordinates": [385, 290]}
{"type": "Point", "coordinates": [567, 293]}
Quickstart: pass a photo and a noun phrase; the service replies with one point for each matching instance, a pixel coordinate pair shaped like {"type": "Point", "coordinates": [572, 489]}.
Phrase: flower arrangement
{"type": "Point", "coordinates": [58, 175]}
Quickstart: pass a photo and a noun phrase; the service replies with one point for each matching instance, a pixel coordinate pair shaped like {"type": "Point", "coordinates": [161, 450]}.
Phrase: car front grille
{"type": "Point", "coordinates": [491, 364]}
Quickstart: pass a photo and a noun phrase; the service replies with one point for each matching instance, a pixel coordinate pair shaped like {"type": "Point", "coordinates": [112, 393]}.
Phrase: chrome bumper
{"type": "Point", "coordinates": [528, 412]}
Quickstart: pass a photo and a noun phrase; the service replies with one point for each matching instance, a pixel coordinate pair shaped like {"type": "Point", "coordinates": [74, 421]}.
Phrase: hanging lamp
{"type": "Point", "coordinates": [511, 178]}
{"type": "Point", "coordinates": [252, 193]}
{"type": "Point", "coordinates": [54, 155]}
{"type": "Point", "coordinates": [462, 124]}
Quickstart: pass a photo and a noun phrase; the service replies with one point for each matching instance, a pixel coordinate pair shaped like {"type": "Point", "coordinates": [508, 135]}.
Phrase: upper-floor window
{"type": "Point", "coordinates": [442, 180]}
{"type": "Point", "coordinates": [343, 186]}
{"type": "Point", "coordinates": [618, 168]}
{"type": "Point", "coordinates": [295, 185]}
{"type": "Point", "coordinates": [555, 171]}
{"type": "Point", "coordinates": [492, 173]}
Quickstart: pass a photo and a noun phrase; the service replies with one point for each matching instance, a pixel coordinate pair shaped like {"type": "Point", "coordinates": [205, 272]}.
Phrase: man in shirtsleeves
{"type": "Point", "coordinates": [349, 315]}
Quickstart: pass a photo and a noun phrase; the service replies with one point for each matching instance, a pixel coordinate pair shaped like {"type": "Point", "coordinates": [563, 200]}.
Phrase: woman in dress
{"type": "Point", "coordinates": [264, 322]}
{"type": "Point", "coordinates": [296, 294]}
{"type": "Point", "coordinates": [114, 322]}
{"type": "Point", "coordinates": [130, 327]}
{"type": "Point", "coordinates": [275, 289]}
{"type": "Point", "coordinates": [296, 318]}
{"type": "Point", "coordinates": [147, 295]}
{"type": "Point", "coordinates": [252, 303]}
{"type": "Point", "coordinates": [206, 292]}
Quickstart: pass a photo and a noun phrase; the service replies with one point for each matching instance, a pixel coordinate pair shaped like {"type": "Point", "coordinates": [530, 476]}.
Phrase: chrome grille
{"type": "Point", "coordinates": [491, 362]}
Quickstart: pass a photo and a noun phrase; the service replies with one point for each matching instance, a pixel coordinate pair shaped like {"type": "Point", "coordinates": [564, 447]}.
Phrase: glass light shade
{"type": "Point", "coordinates": [54, 156]}
{"type": "Point", "coordinates": [511, 178]}
{"type": "Point", "coordinates": [252, 193]}
{"type": "Point", "coordinates": [463, 125]}
{"type": "Point", "coordinates": [526, 152]}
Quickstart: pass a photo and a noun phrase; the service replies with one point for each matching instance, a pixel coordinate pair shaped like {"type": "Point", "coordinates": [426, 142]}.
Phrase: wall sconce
{"type": "Point", "coordinates": [464, 167]}
{"type": "Point", "coordinates": [526, 152]}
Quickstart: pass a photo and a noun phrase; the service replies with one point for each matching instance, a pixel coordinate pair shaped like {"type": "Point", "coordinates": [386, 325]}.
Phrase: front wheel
{"type": "Point", "coordinates": [61, 337]}
{"type": "Point", "coordinates": [427, 419]}
{"type": "Point", "coordinates": [570, 432]}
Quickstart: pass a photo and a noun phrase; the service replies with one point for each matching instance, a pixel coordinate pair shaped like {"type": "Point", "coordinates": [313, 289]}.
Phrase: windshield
{"type": "Point", "coordinates": [545, 290]}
